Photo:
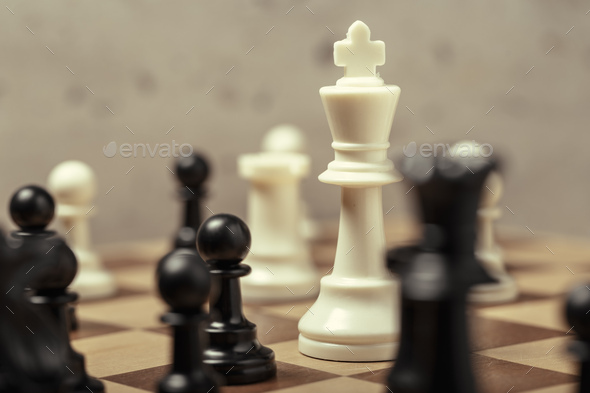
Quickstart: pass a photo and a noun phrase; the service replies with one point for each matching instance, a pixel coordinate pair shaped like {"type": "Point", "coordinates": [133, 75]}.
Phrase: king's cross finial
{"type": "Point", "coordinates": [357, 53]}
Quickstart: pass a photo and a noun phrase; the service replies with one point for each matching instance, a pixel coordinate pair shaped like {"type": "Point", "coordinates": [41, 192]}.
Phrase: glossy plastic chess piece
{"type": "Point", "coordinates": [192, 172]}
{"type": "Point", "coordinates": [577, 306]}
{"type": "Point", "coordinates": [184, 282]}
{"type": "Point", "coordinates": [284, 138]}
{"type": "Point", "coordinates": [355, 316]}
{"type": "Point", "coordinates": [436, 276]}
{"type": "Point", "coordinates": [32, 209]}
{"type": "Point", "coordinates": [282, 266]}
{"type": "Point", "coordinates": [73, 184]}
{"type": "Point", "coordinates": [28, 330]}
{"type": "Point", "coordinates": [288, 138]}
{"type": "Point", "coordinates": [487, 250]}
{"type": "Point", "coordinates": [234, 350]}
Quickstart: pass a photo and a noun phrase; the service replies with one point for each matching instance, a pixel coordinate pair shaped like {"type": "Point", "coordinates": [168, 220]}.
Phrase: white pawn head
{"type": "Point", "coordinates": [492, 191]}
{"type": "Point", "coordinates": [72, 183]}
{"type": "Point", "coordinates": [284, 138]}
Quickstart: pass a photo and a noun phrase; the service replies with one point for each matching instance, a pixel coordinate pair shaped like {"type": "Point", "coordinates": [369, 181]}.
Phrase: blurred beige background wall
{"type": "Point", "coordinates": [247, 65]}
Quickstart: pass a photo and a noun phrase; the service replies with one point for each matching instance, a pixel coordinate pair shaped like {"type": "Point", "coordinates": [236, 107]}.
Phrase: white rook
{"type": "Point", "coordinates": [355, 317]}
{"type": "Point", "coordinates": [282, 268]}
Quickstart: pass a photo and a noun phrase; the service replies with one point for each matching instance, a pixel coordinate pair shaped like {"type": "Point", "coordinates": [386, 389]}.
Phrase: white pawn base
{"type": "Point", "coordinates": [353, 320]}
{"type": "Point", "coordinates": [503, 291]}
{"type": "Point", "coordinates": [92, 280]}
{"type": "Point", "coordinates": [279, 281]}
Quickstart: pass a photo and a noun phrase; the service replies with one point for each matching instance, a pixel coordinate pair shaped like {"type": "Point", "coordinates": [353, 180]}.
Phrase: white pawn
{"type": "Point", "coordinates": [73, 185]}
{"type": "Point", "coordinates": [287, 138]}
{"type": "Point", "coordinates": [487, 251]}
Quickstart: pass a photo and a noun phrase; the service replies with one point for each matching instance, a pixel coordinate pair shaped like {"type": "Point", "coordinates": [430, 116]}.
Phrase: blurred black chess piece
{"type": "Point", "coordinates": [184, 282]}
{"type": "Point", "coordinates": [32, 209]}
{"type": "Point", "coordinates": [32, 358]}
{"type": "Point", "coordinates": [436, 276]}
{"type": "Point", "coordinates": [576, 309]}
{"type": "Point", "coordinates": [234, 350]}
{"type": "Point", "coordinates": [192, 172]}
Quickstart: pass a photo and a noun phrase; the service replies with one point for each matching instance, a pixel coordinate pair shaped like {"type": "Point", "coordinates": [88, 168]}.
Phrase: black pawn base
{"type": "Point", "coordinates": [247, 362]}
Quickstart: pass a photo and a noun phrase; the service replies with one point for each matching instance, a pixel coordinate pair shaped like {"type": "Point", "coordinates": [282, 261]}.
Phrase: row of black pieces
{"type": "Point", "coordinates": [36, 267]}
{"type": "Point", "coordinates": [436, 276]}
{"type": "Point", "coordinates": [220, 347]}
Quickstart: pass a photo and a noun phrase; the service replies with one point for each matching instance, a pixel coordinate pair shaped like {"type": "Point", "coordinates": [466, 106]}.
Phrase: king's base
{"type": "Point", "coordinates": [94, 284]}
{"type": "Point", "coordinates": [503, 291]}
{"type": "Point", "coordinates": [348, 353]}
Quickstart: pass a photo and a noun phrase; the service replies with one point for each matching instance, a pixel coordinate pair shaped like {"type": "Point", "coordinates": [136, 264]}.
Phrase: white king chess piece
{"type": "Point", "coordinates": [356, 316]}
{"type": "Point", "coordinates": [73, 185]}
{"type": "Point", "coordinates": [487, 251]}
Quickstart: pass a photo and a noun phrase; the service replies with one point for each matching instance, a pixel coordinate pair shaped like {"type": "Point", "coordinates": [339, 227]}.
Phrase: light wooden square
{"type": "Point", "coordinates": [552, 281]}
{"type": "Point", "coordinates": [550, 354]}
{"type": "Point", "coordinates": [544, 313]}
{"type": "Point", "coordinates": [141, 311]}
{"type": "Point", "coordinates": [340, 385]}
{"type": "Point", "coordinates": [566, 388]}
{"type": "Point", "coordinates": [123, 352]}
{"type": "Point", "coordinates": [112, 387]}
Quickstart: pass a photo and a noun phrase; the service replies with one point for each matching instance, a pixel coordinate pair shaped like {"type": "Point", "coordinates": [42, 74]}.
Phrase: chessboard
{"type": "Point", "coordinates": [516, 347]}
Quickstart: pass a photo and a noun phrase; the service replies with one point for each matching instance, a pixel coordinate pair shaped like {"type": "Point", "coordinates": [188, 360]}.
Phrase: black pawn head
{"type": "Point", "coordinates": [578, 311]}
{"type": "Point", "coordinates": [224, 239]}
{"type": "Point", "coordinates": [32, 208]}
{"type": "Point", "coordinates": [186, 238]}
{"type": "Point", "coordinates": [192, 171]}
{"type": "Point", "coordinates": [183, 280]}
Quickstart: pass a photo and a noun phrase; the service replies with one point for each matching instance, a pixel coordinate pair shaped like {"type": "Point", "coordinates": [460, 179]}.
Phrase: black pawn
{"type": "Point", "coordinates": [577, 307]}
{"type": "Point", "coordinates": [234, 350]}
{"type": "Point", "coordinates": [184, 282]}
{"type": "Point", "coordinates": [192, 172]}
{"type": "Point", "coordinates": [32, 209]}
{"type": "Point", "coordinates": [436, 276]}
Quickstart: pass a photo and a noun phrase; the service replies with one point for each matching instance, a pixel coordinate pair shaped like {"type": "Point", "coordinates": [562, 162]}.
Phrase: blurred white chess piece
{"type": "Point", "coordinates": [282, 267]}
{"type": "Point", "coordinates": [287, 138]}
{"type": "Point", "coordinates": [487, 251]}
{"type": "Point", "coordinates": [73, 185]}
